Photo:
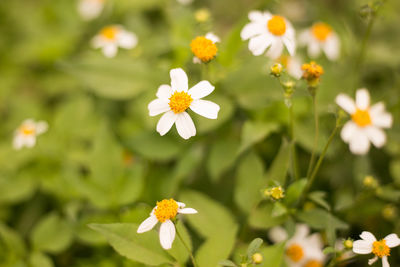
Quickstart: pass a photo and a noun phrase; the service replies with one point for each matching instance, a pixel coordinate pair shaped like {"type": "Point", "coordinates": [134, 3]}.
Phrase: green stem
{"type": "Point", "coordinates": [296, 172]}
{"type": "Point", "coordinates": [187, 247]}
{"type": "Point", "coordinates": [364, 43]}
{"type": "Point", "coordinates": [312, 160]}
{"type": "Point", "coordinates": [319, 162]}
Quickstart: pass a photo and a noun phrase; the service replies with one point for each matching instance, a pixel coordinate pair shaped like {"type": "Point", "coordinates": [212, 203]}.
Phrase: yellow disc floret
{"type": "Point", "coordinates": [110, 32]}
{"type": "Point", "coordinates": [203, 48]}
{"type": "Point", "coordinates": [277, 25]}
{"type": "Point", "coordinates": [313, 263]}
{"type": "Point", "coordinates": [295, 252]}
{"type": "Point", "coordinates": [380, 249]}
{"type": "Point", "coordinates": [27, 129]}
{"type": "Point", "coordinates": [321, 31]}
{"type": "Point", "coordinates": [180, 101]}
{"type": "Point", "coordinates": [312, 71]}
{"type": "Point", "coordinates": [361, 117]}
{"type": "Point", "coordinates": [166, 210]}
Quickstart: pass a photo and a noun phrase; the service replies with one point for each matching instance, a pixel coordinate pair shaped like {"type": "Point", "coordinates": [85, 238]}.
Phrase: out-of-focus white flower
{"type": "Point", "coordinates": [111, 37]}
{"type": "Point", "coordinates": [366, 122]}
{"type": "Point", "coordinates": [292, 65]}
{"type": "Point", "coordinates": [185, 2]}
{"type": "Point", "coordinates": [368, 244]}
{"type": "Point", "coordinates": [302, 249]}
{"type": "Point", "coordinates": [165, 212]}
{"type": "Point", "coordinates": [90, 9]}
{"type": "Point", "coordinates": [321, 37]}
{"type": "Point", "coordinates": [174, 100]}
{"type": "Point", "coordinates": [269, 33]}
{"type": "Point", "coordinates": [204, 48]}
{"type": "Point", "coordinates": [27, 132]}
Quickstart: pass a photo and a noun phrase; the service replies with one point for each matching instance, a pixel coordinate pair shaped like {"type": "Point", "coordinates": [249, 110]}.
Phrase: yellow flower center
{"type": "Point", "coordinates": [110, 32]}
{"type": "Point", "coordinates": [277, 25]}
{"type": "Point", "coordinates": [312, 71]}
{"type": "Point", "coordinates": [180, 101]}
{"type": "Point", "coordinates": [27, 130]}
{"type": "Point", "coordinates": [166, 210]}
{"type": "Point", "coordinates": [321, 31]}
{"type": "Point", "coordinates": [313, 263]}
{"type": "Point", "coordinates": [295, 252]}
{"type": "Point", "coordinates": [361, 117]}
{"type": "Point", "coordinates": [203, 48]}
{"type": "Point", "coordinates": [380, 249]}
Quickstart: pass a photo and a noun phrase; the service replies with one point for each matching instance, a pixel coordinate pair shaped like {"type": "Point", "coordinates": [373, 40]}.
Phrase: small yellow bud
{"type": "Point", "coordinates": [275, 193]}
{"type": "Point", "coordinates": [202, 15]}
{"type": "Point", "coordinates": [276, 69]}
{"type": "Point", "coordinates": [389, 212]}
{"type": "Point", "coordinates": [348, 243]}
{"type": "Point", "coordinates": [370, 182]}
{"type": "Point", "coordinates": [257, 258]}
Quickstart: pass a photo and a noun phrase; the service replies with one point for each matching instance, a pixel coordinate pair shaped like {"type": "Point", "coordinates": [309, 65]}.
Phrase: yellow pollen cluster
{"type": "Point", "coordinates": [312, 71]}
{"type": "Point", "coordinates": [109, 32]}
{"type": "Point", "coordinates": [361, 117]}
{"type": "Point", "coordinates": [277, 25]}
{"type": "Point", "coordinates": [180, 101]}
{"type": "Point", "coordinates": [313, 263]}
{"type": "Point", "coordinates": [380, 249]}
{"type": "Point", "coordinates": [27, 130]}
{"type": "Point", "coordinates": [203, 48]}
{"type": "Point", "coordinates": [295, 252]}
{"type": "Point", "coordinates": [166, 210]}
{"type": "Point", "coordinates": [321, 31]}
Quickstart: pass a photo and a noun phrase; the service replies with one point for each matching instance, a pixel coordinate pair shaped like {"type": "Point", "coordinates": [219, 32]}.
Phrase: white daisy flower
{"type": "Point", "coordinates": [204, 48]}
{"type": "Point", "coordinates": [27, 132]}
{"type": "Point", "coordinates": [90, 9]}
{"type": "Point", "coordinates": [321, 37]}
{"type": "Point", "coordinates": [302, 249]}
{"type": "Point", "coordinates": [114, 36]}
{"type": "Point", "coordinates": [368, 244]}
{"type": "Point", "coordinates": [292, 65]}
{"type": "Point", "coordinates": [269, 32]}
{"type": "Point", "coordinates": [165, 211]}
{"type": "Point", "coordinates": [174, 100]}
{"type": "Point", "coordinates": [366, 122]}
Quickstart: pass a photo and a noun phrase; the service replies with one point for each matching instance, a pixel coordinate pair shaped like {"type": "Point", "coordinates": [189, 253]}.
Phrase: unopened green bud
{"type": "Point", "coordinates": [348, 243]}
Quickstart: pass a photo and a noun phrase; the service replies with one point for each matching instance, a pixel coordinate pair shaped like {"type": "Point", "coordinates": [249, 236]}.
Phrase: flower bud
{"type": "Point", "coordinates": [348, 243]}
{"type": "Point", "coordinates": [275, 193]}
{"type": "Point", "coordinates": [257, 258]}
{"type": "Point", "coordinates": [312, 73]}
{"type": "Point", "coordinates": [276, 70]}
{"type": "Point", "coordinates": [202, 15]}
{"type": "Point", "coordinates": [370, 182]}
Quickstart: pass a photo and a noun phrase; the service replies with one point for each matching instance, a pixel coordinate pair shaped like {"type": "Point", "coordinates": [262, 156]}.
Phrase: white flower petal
{"type": "Point", "coordinates": [110, 50]}
{"type": "Point", "coordinates": [314, 48]}
{"type": "Point", "coordinates": [164, 91]}
{"type": "Point", "coordinates": [290, 45]}
{"type": "Point", "coordinates": [373, 260]}
{"type": "Point", "coordinates": [251, 30]}
{"type": "Point", "coordinates": [368, 236]}
{"type": "Point", "coordinates": [331, 47]}
{"type": "Point", "coordinates": [158, 106]}
{"type": "Point", "coordinates": [97, 42]}
{"type": "Point", "coordinates": [277, 234]}
{"type": "Point", "coordinates": [376, 136]}
{"type": "Point", "coordinates": [392, 240]}
{"type": "Point", "coordinates": [362, 99]}
{"type": "Point", "coordinates": [196, 60]}
{"type": "Point", "coordinates": [147, 224]}
{"type": "Point", "coordinates": [276, 49]}
{"type": "Point", "coordinates": [187, 211]}
{"type": "Point", "coordinates": [385, 262]}
{"type": "Point", "coordinates": [201, 89]}
{"type": "Point", "coordinates": [258, 44]}
{"type": "Point", "coordinates": [302, 230]}
{"type": "Point", "coordinates": [30, 141]}
{"type": "Point", "coordinates": [362, 247]}
{"type": "Point", "coordinates": [259, 16]}
{"type": "Point", "coordinates": [348, 130]}
{"type": "Point", "coordinates": [379, 117]}
{"type": "Point", "coordinates": [167, 234]}
{"type": "Point", "coordinates": [185, 126]}
{"type": "Point", "coordinates": [89, 9]}
{"type": "Point", "coordinates": [180, 204]}
{"type": "Point", "coordinates": [166, 121]}
{"type": "Point", "coordinates": [205, 108]}
{"type": "Point", "coordinates": [212, 37]}
{"type": "Point", "coordinates": [294, 68]}
{"type": "Point", "coordinates": [346, 103]}
{"type": "Point", "coordinates": [304, 37]}
{"type": "Point", "coordinates": [127, 40]}
{"type": "Point", "coordinates": [359, 143]}
{"type": "Point", "coordinates": [18, 141]}
{"type": "Point", "coordinates": [41, 127]}
{"type": "Point", "coordinates": [179, 80]}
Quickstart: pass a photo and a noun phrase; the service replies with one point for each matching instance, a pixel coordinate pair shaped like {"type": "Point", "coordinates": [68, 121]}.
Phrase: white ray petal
{"type": "Point", "coordinates": [187, 211]}
{"type": "Point", "coordinates": [392, 240]}
{"type": "Point", "coordinates": [167, 234]}
{"type": "Point", "coordinates": [376, 136]}
{"type": "Point", "coordinates": [166, 121]}
{"type": "Point", "coordinates": [346, 103]}
{"type": "Point", "coordinates": [158, 106]}
{"type": "Point", "coordinates": [276, 49]}
{"type": "Point", "coordinates": [205, 108]}
{"type": "Point", "coordinates": [185, 126]}
{"type": "Point", "coordinates": [164, 91]}
{"type": "Point", "coordinates": [147, 224]}
{"type": "Point", "coordinates": [362, 247]}
{"type": "Point", "coordinates": [201, 89]}
{"type": "Point", "coordinates": [359, 144]}
{"type": "Point", "coordinates": [258, 44]}
{"type": "Point", "coordinates": [179, 80]}
{"type": "Point", "coordinates": [362, 99]}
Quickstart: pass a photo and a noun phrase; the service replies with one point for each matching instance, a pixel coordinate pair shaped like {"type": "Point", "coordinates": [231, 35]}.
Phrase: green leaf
{"type": "Point", "coordinates": [178, 250]}
{"type": "Point", "coordinates": [247, 194]}
{"type": "Point", "coordinates": [318, 197]}
{"type": "Point", "coordinates": [279, 168]}
{"type": "Point", "coordinates": [17, 189]}
{"type": "Point", "coordinates": [294, 191]}
{"type": "Point", "coordinates": [12, 240]}
{"type": "Point", "coordinates": [395, 171]}
{"type": "Point", "coordinates": [221, 158]}
{"type": "Point", "coordinates": [273, 255]}
{"type": "Point", "coordinates": [254, 132]}
{"type": "Point", "coordinates": [144, 248]}
{"type": "Point", "coordinates": [38, 259]}
{"type": "Point", "coordinates": [227, 263]}
{"type": "Point", "coordinates": [213, 222]}
{"type": "Point", "coordinates": [262, 218]}
{"type": "Point", "coordinates": [254, 247]}
{"type": "Point", "coordinates": [279, 209]}
{"type": "Point", "coordinates": [52, 234]}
